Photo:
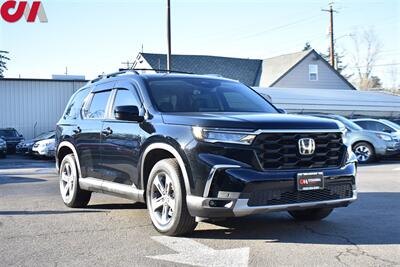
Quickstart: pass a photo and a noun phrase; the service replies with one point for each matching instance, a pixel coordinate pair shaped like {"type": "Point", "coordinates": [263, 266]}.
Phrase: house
{"type": "Point", "coordinates": [306, 69]}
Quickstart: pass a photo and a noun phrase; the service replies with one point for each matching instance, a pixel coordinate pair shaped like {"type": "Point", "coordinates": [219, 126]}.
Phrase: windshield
{"type": "Point", "coordinates": [178, 94]}
{"type": "Point", "coordinates": [8, 133]}
{"type": "Point", "coordinates": [392, 124]}
{"type": "Point", "coordinates": [349, 124]}
{"type": "Point", "coordinates": [47, 135]}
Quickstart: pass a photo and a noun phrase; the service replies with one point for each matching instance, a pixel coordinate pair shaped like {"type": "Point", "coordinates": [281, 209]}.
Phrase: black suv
{"type": "Point", "coordinates": [12, 137]}
{"type": "Point", "coordinates": [199, 148]}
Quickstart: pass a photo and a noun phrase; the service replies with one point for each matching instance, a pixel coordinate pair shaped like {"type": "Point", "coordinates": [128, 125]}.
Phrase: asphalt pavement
{"type": "Point", "coordinates": [36, 229]}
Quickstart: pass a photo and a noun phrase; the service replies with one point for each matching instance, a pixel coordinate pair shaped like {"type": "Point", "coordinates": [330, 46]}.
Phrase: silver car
{"type": "Point", "coordinates": [367, 145]}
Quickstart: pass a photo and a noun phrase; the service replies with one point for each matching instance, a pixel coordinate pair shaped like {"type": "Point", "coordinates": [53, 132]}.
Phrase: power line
{"type": "Point", "coordinates": [277, 27]}
{"type": "Point", "coordinates": [377, 65]}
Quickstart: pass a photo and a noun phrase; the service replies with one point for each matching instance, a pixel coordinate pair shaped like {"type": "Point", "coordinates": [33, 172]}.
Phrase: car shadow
{"type": "Point", "coordinates": [6, 179]}
{"type": "Point", "coordinates": [120, 206]}
{"type": "Point", "coordinates": [43, 212]}
{"type": "Point", "coordinates": [373, 219]}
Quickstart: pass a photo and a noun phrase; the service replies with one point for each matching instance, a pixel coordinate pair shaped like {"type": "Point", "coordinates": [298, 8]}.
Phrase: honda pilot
{"type": "Point", "coordinates": [198, 147]}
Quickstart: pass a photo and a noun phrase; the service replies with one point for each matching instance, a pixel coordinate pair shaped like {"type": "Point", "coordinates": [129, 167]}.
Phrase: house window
{"type": "Point", "coordinates": [313, 72]}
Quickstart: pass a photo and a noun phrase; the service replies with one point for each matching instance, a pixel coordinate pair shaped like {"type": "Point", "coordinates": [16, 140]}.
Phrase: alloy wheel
{"type": "Point", "coordinates": [162, 199]}
{"type": "Point", "coordinates": [67, 184]}
{"type": "Point", "coordinates": [363, 153]}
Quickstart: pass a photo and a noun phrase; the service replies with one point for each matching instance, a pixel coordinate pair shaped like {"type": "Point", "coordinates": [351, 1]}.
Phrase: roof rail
{"type": "Point", "coordinates": [114, 74]}
{"type": "Point", "coordinates": [134, 71]}
{"type": "Point", "coordinates": [167, 71]}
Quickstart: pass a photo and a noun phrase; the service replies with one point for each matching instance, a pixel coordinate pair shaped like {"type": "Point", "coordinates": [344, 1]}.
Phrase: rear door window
{"type": "Point", "coordinates": [98, 105]}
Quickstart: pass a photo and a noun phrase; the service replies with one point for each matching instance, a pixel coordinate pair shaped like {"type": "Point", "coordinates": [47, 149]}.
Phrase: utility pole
{"type": "Point", "coordinates": [128, 64]}
{"type": "Point", "coordinates": [332, 46]}
{"type": "Point", "coordinates": [169, 57]}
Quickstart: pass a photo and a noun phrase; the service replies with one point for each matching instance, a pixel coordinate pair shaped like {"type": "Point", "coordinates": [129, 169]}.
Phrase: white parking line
{"type": "Point", "coordinates": [396, 169]}
{"type": "Point", "coordinates": [194, 253]}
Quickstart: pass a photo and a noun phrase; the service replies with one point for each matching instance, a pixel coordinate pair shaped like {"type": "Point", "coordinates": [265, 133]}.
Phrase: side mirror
{"type": "Point", "coordinates": [387, 131]}
{"type": "Point", "coordinates": [128, 113]}
{"type": "Point", "coordinates": [282, 111]}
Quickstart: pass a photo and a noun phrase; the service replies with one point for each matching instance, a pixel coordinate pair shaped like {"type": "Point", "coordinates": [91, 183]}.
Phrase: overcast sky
{"type": "Point", "coordinates": [92, 36]}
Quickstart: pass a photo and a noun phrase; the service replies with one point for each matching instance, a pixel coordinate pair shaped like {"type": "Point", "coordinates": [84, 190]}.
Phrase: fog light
{"type": "Point", "coordinates": [212, 203]}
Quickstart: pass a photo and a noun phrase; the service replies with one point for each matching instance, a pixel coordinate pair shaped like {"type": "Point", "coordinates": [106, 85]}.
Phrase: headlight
{"type": "Point", "coordinates": [223, 136]}
{"type": "Point", "coordinates": [384, 137]}
{"type": "Point", "coordinates": [44, 143]}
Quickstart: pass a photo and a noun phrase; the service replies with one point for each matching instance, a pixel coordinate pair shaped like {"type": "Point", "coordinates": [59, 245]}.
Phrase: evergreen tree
{"type": "Point", "coordinates": [3, 62]}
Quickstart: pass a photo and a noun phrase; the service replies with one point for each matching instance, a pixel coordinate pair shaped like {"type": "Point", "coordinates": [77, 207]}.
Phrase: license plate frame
{"type": "Point", "coordinates": [310, 181]}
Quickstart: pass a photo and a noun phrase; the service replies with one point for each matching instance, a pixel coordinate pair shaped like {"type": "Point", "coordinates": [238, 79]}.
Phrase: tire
{"type": "Point", "coordinates": [72, 195]}
{"type": "Point", "coordinates": [310, 214]}
{"type": "Point", "coordinates": [166, 200]}
{"type": "Point", "coordinates": [364, 152]}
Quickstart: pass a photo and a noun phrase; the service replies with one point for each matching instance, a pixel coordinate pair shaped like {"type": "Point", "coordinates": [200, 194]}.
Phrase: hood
{"type": "Point", "coordinates": [253, 121]}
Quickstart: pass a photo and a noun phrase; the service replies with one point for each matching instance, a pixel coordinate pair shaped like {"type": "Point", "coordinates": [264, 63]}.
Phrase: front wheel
{"type": "Point", "coordinates": [311, 214]}
{"type": "Point", "coordinates": [72, 195]}
{"type": "Point", "coordinates": [364, 152]}
{"type": "Point", "coordinates": [166, 200]}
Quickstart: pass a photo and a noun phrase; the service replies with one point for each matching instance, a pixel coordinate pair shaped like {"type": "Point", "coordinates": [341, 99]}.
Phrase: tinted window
{"type": "Point", "coordinates": [383, 128]}
{"type": "Point", "coordinates": [8, 133]}
{"type": "Point", "coordinates": [126, 98]}
{"type": "Point", "coordinates": [98, 105]}
{"type": "Point", "coordinates": [178, 94]}
{"type": "Point", "coordinates": [74, 106]}
{"type": "Point", "coordinates": [374, 126]}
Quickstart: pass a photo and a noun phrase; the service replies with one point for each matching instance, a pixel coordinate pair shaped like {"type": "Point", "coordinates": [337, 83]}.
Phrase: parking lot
{"type": "Point", "coordinates": [38, 230]}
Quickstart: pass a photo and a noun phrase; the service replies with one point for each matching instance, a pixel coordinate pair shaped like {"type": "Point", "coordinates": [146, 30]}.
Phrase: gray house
{"type": "Point", "coordinates": [306, 69]}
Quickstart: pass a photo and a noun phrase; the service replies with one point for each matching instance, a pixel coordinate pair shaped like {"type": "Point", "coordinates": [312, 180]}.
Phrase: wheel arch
{"type": "Point", "coordinates": [158, 151]}
{"type": "Point", "coordinates": [63, 149]}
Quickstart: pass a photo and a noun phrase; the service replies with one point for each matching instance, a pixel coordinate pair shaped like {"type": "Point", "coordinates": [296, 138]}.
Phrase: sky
{"type": "Point", "coordinates": [92, 36]}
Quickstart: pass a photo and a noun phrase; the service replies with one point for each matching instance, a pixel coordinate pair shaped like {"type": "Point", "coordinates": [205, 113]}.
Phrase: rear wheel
{"type": "Point", "coordinates": [364, 152]}
{"type": "Point", "coordinates": [166, 199]}
{"type": "Point", "coordinates": [311, 214]}
{"type": "Point", "coordinates": [72, 195]}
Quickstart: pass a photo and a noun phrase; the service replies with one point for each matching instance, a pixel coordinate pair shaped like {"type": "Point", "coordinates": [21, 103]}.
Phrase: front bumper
{"type": "Point", "coordinates": [43, 152]}
{"type": "Point", "coordinates": [269, 191]}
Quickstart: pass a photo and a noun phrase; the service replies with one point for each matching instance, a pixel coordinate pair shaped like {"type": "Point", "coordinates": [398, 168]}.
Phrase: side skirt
{"type": "Point", "coordinates": [111, 188]}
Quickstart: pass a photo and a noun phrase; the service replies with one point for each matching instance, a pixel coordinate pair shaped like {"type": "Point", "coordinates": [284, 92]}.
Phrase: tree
{"type": "Point", "coordinates": [367, 48]}
{"type": "Point", "coordinates": [307, 46]}
{"type": "Point", "coordinates": [340, 66]}
{"type": "Point", "coordinates": [3, 62]}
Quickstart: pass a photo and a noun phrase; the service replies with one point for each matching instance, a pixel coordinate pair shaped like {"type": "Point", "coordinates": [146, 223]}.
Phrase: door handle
{"type": "Point", "coordinates": [107, 131]}
{"type": "Point", "coordinates": [78, 130]}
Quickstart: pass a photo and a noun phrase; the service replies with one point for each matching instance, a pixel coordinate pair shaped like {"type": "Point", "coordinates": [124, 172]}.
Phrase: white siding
{"type": "Point", "coordinates": [298, 77]}
{"type": "Point", "coordinates": [26, 103]}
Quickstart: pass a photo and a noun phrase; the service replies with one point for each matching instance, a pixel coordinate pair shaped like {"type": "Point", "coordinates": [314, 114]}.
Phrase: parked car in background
{"type": "Point", "coordinates": [367, 145]}
{"type": "Point", "coordinates": [380, 126]}
{"type": "Point", "coordinates": [12, 137]}
{"type": "Point", "coordinates": [3, 148]}
{"type": "Point", "coordinates": [25, 147]}
{"type": "Point", "coordinates": [44, 148]}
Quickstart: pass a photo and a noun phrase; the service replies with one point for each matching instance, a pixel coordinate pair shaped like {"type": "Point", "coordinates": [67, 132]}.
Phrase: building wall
{"type": "Point", "coordinates": [298, 77]}
{"type": "Point", "coordinates": [34, 106]}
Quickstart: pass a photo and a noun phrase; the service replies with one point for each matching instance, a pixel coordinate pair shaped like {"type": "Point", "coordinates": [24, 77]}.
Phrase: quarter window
{"type": "Point", "coordinates": [313, 72]}
{"type": "Point", "coordinates": [98, 105]}
{"type": "Point", "coordinates": [75, 105]}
